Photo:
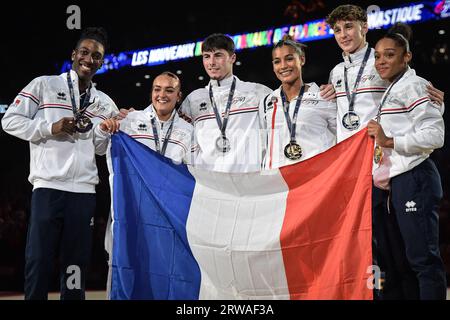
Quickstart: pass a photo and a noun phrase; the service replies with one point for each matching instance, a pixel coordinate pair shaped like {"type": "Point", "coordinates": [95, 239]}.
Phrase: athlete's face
{"type": "Point", "coordinates": [287, 64]}
{"type": "Point", "coordinates": [218, 63]}
{"type": "Point", "coordinates": [390, 59]}
{"type": "Point", "coordinates": [165, 95]}
{"type": "Point", "coordinates": [87, 58]}
{"type": "Point", "coordinates": [350, 35]}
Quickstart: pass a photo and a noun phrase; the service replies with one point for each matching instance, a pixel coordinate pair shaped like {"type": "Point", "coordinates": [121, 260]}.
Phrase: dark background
{"type": "Point", "coordinates": [35, 41]}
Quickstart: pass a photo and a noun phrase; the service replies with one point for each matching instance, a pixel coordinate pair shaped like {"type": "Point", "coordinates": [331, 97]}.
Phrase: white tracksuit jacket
{"type": "Point", "coordinates": [368, 94]}
{"type": "Point", "coordinates": [415, 123]}
{"type": "Point", "coordinates": [243, 129]}
{"type": "Point", "coordinates": [138, 125]}
{"type": "Point", "coordinates": [316, 126]}
{"type": "Point", "coordinates": [60, 162]}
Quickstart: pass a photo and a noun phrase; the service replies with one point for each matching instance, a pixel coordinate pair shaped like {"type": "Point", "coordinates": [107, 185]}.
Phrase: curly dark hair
{"type": "Point", "coordinates": [94, 33]}
{"type": "Point", "coordinates": [346, 12]}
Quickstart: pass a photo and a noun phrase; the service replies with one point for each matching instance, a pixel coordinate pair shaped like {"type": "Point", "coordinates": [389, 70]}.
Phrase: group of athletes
{"type": "Point", "coordinates": [236, 126]}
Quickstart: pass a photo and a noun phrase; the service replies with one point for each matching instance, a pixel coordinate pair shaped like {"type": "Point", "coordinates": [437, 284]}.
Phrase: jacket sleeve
{"type": "Point", "coordinates": [263, 132]}
{"type": "Point", "coordinates": [192, 149]}
{"type": "Point", "coordinates": [428, 133]}
{"type": "Point", "coordinates": [19, 119]}
{"type": "Point", "coordinates": [332, 116]}
{"type": "Point", "coordinates": [102, 138]}
{"type": "Point", "coordinates": [185, 110]}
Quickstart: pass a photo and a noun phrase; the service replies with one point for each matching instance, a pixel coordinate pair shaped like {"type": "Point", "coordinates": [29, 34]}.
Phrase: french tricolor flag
{"type": "Point", "coordinates": [303, 231]}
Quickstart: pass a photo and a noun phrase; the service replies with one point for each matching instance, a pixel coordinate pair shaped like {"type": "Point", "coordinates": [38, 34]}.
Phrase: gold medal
{"type": "Point", "coordinates": [293, 151]}
{"type": "Point", "coordinates": [378, 154]}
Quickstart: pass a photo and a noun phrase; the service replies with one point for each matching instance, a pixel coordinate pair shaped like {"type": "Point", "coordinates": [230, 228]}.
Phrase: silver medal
{"type": "Point", "coordinates": [351, 121]}
{"type": "Point", "coordinates": [223, 144]}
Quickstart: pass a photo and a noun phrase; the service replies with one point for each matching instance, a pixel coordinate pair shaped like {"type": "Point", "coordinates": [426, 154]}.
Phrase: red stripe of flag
{"type": "Point", "coordinates": [326, 238]}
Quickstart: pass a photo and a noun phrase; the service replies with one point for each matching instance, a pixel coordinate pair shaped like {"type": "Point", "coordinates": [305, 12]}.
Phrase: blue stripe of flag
{"type": "Point", "coordinates": [151, 198]}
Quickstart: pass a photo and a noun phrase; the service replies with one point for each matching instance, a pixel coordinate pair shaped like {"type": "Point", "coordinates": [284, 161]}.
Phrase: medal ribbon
{"type": "Point", "coordinates": [378, 118]}
{"type": "Point", "coordinates": [292, 125]}
{"type": "Point", "coordinates": [378, 153]}
{"type": "Point", "coordinates": [166, 138]}
{"type": "Point", "coordinates": [351, 99]}
{"type": "Point", "coordinates": [222, 125]}
{"type": "Point", "coordinates": [78, 113]}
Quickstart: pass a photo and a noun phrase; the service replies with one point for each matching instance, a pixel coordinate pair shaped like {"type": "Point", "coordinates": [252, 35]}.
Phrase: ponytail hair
{"type": "Point", "coordinates": [287, 40]}
{"type": "Point", "coordinates": [401, 33]}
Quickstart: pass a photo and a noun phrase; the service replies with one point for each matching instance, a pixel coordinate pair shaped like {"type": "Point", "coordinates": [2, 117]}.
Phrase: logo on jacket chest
{"type": "Point", "coordinates": [338, 84]}
{"type": "Point", "coordinates": [179, 135]}
{"type": "Point", "coordinates": [203, 106]}
{"type": "Point", "coordinates": [367, 77]}
{"type": "Point", "coordinates": [270, 103]}
{"type": "Point", "coordinates": [237, 100]}
{"type": "Point", "coordinates": [310, 102]}
{"type": "Point", "coordinates": [61, 96]}
{"type": "Point", "coordinates": [97, 108]}
{"type": "Point", "coordinates": [142, 127]}
{"type": "Point", "coordinates": [139, 127]}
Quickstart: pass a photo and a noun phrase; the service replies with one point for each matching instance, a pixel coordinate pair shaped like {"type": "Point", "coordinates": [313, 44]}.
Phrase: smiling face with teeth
{"type": "Point", "coordinates": [165, 95]}
{"type": "Point", "coordinates": [87, 59]}
{"type": "Point", "coordinates": [287, 65]}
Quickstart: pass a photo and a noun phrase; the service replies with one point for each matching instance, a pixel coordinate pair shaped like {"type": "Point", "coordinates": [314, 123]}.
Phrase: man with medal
{"type": "Point", "coordinates": [298, 121]}
{"type": "Point", "coordinates": [61, 118]}
{"type": "Point", "coordinates": [225, 113]}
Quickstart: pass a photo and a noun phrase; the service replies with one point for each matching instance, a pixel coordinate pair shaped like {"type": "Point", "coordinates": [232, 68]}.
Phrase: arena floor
{"type": "Point", "coordinates": [90, 295]}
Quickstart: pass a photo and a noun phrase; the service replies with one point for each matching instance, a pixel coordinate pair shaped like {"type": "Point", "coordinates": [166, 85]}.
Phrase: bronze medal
{"type": "Point", "coordinates": [293, 151]}
{"type": "Point", "coordinates": [378, 154]}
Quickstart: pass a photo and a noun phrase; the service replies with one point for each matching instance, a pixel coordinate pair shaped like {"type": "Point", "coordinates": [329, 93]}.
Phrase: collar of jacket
{"type": "Point", "coordinates": [355, 58]}
{"type": "Point", "coordinates": [74, 76]}
{"type": "Point", "coordinates": [152, 113]}
{"type": "Point", "coordinates": [224, 83]}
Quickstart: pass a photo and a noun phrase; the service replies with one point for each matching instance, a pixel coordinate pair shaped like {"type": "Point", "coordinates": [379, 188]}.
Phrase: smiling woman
{"type": "Point", "coordinates": [299, 122]}
{"type": "Point", "coordinates": [408, 129]}
{"type": "Point", "coordinates": [166, 93]}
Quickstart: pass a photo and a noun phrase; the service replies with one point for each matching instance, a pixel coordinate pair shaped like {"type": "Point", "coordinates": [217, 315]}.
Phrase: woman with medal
{"type": "Point", "coordinates": [299, 123]}
{"type": "Point", "coordinates": [160, 128]}
{"type": "Point", "coordinates": [60, 117]}
{"type": "Point", "coordinates": [407, 130]}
